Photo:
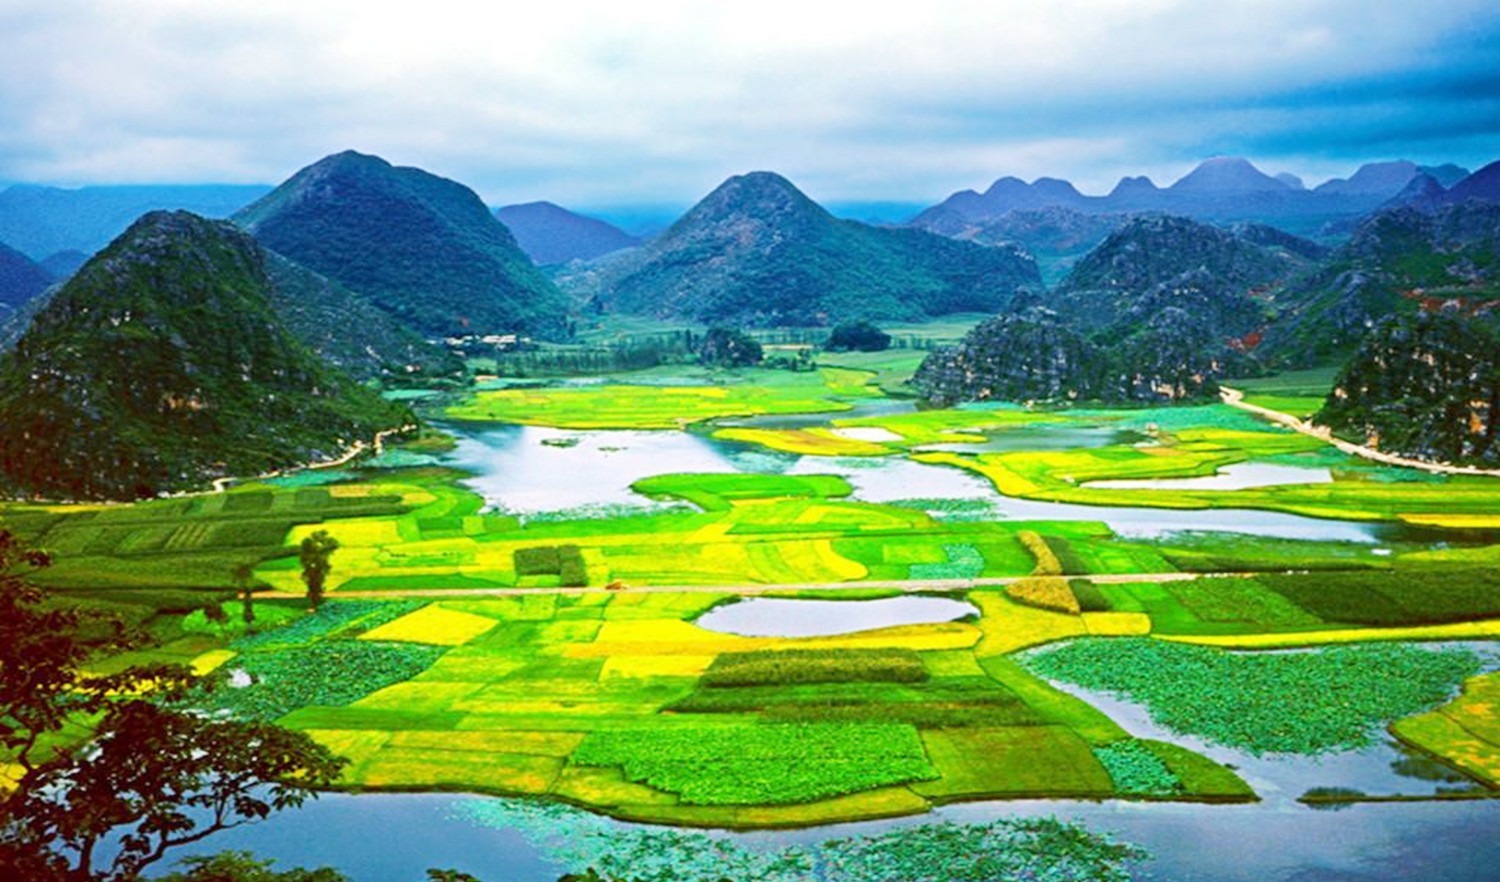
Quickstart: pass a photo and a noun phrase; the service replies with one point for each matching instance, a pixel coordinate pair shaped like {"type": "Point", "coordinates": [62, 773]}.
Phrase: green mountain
{"type": "Point", "coordinates": [1159, 311]}
{"type": "Point", "coordinates": [348, 331]}
{"type": "Point", "coordinates": [1036, 355]}
{"type": "Point", "coordinates": [758, 252]}
{"type": "Point", "coordinates": [1398, 262]}
{"type": "Point", "coordinates": [1155, 261]}
{"type": "Point", "coordinates": [423, 248]}
{"type": "Point", "coordinates": [1424, 385]}
{"type": "Point", "coordinates": [162, 364]}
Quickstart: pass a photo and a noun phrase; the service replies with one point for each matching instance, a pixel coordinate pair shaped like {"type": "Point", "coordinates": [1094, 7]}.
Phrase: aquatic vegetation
{"type": "Point", "coordinates": [1023, 848]}
{"type": "Point", "coordinates": [335, 672]}
{"type": "Point", "coordinates": [764, 764]}
{"type": "Point", "coordinates": [1294, 702]}
{"type": "Point", "coordinates": [1137, 770]}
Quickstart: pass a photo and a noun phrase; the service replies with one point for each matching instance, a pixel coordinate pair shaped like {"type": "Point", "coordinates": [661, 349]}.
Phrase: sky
{"type": "Point", "coordinates": [637, 102]}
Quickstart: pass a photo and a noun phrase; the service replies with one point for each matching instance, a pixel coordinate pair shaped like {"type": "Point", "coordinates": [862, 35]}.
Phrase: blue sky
{"type": "Point", "coordinates": [595, 104]}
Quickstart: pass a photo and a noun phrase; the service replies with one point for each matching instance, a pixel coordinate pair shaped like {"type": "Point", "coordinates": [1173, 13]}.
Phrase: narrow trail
{"type": "Point", "coordinates": [1236, 398]}
{"type": "Point", "coordinates": [220, 485]}
{"type": "Point", "coordinates": [908, 586]}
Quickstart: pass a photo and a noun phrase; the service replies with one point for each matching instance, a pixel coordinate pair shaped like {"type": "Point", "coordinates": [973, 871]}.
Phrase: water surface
{"type": "Point", "coordinates": [776, 617]}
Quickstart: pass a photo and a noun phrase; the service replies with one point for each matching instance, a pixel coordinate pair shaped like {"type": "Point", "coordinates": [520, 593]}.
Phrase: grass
{"type": "Point", "coordinates": [622, 405]}
{"type": "Point", "coordinates": [1464, 732]}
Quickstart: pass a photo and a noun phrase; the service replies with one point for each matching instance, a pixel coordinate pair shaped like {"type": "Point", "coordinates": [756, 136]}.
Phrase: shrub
{"type": "Point", "coordinates": [537, 561]}
{"type": "Point", "coordinates": [860, 336]}
{"type": "Point", "coordinates": [1088, 595]}
{"type": "Point", "coordinates": [814, 666]}
{"type": "Point", "coordinates": [1044, 592]}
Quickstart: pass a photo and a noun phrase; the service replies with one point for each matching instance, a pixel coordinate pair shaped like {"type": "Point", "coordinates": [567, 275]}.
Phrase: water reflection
{"type": "Point", "coordinates": [531, 469]}
{"type": "Point", "coordinates": [774, 617]}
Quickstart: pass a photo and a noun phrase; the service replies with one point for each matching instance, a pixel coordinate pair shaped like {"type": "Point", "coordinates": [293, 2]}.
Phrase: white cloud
{"type": "Point", "coordinates": [593, 102]}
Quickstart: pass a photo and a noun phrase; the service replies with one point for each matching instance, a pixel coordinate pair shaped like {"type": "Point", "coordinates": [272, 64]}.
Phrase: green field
{"type": "Point", "coordinates": [420, 673]}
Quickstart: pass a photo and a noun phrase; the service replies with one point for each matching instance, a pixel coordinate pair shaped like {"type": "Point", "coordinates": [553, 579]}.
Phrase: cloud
{"type": "Point", "coordinates": [594, 103]}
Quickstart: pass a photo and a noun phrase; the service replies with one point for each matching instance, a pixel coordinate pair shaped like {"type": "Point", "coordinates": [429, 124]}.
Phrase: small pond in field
{"type": "Point", "coordinates": [775, 617]}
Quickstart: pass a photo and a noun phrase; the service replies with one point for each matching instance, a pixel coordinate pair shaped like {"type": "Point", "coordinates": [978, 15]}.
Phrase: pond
{"type": "Point", "coordinates": [527, 469]}
{"type": "Point", "coordinates": [395, 837]}
{"type": "Point", "coordinates": [775, 617]}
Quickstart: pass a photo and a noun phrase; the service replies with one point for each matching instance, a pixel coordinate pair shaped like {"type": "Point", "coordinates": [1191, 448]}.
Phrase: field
{"type": "Point", "coordinates": [472, 649]}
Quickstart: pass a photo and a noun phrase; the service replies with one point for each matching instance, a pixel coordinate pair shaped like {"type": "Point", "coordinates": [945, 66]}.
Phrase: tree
{"type": "Point", "coordinates": [243, 575]}
{"type": "Point", "coordinates": [148, 778]}
{"type": "Point", "coordinates": [315, 554]}
{"type": "Point", "coordinates": [242, 866]}
{"type": "Point", "coordinates": [725, 347]}
{"type": "Point", "coordinates": [860, 336]}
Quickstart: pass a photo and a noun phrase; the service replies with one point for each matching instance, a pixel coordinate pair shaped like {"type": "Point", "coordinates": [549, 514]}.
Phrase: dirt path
{"type": "Point", "coordinates": [909, 586]}
{"type": "Point", "coordinates": [222, 484]}
{"type": "Point", "coordinates": [1236, 398]}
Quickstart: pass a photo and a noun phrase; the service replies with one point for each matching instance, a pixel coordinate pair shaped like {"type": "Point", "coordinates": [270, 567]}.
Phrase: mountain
{"type": "Point", "coordinates": [1222, 189]}
{"type": "Point", "coordinates": [20, 279]}
{"type": "Point", "coordinates": [756, 251]}
{"type": "Point", "coordinates": [1227, 176]}
{"type": "Point", "coordinates": [350, 333]}
{"type": "Point", "coordinates": [162, 364]}
{"type": "Point", "coordinates": [550, 234]}
{"type": "Point", "coordinates": [1159, 311]}
{"type": "Point", "coordinates": [1057, 237]}
{"type": "Point", "coordinates": [423, 248]}
{"type": "Point", "coordinates": [63, 264]}
{"type": "Point", "coordinates": [1154, 261]}
{"type": "Point", "coordinates": [1424, 385]}
{"type": "Point", "coordinates": [39, 221]}
{"type": "Point", "coordinates": [1399, 261]}
{"type": "Point", "coordinates": [1483, 186]}
{"type": "Point", "coordinates": [1035, 355]}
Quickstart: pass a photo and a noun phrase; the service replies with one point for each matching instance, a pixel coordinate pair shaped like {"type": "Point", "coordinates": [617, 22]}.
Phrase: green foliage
{"type": "Point", "coordinates": [315, 555]}
{"type": "Point", "coordinates": [330, 673]}
{"type": "Point", "coordinates": [761, 765]}
{"type": "Point", "coordinates": [768, 668]}
{"type": "Point", "coordinates": [1089, 597]}
{"type": "Point", "coordinates": [1026, 848]}
{"type": "Point", "coordinates": [162, 364]}
{"type": "Point", "coordinates": [859, 336]}
{"type": "Point", "coordinates": [1426, 386]}
{"type": "Point", "coordinates": [1245, 601]}
{"type": "Point", "coordinates": [424, 249]}
{"type": "Point", "coordinates": [241, 866]}
{"type": "Point", "coordinates": [342, 619]}
{"type": "Point", "coordinates": [728, 347]}
{"type": "Point", "coordinates": [564, 561]}
{"type": "Point", "coordinates": [1401, 597]}
{"type": "Point", "coordinates": [757, 252]}
{"type": "Point", "coordinates": [1302, 702]}
{"type": "Point", "coordinates": [1137, 770]}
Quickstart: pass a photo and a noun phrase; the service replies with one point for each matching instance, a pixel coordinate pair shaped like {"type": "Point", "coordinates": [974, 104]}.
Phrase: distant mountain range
{"type": "Point", "coordinates": [163, 363]}
{"type": "Point", "coordinates": [756, 251]}
{"type": "Point", "coordinates": [42, 221]}
{"type": "Point", "coordinates": [1223, 189]}
{"type": "Point", "coordinates": [423, 248]}
{"type": "Point", "coordinates": [551, 234]}
{"type": "Point", "coordinates": [21, 279]}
